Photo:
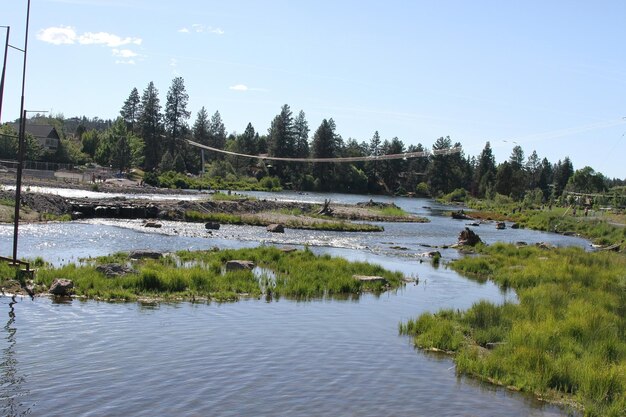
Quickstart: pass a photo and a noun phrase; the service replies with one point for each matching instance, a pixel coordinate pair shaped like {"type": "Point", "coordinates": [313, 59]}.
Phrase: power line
{"type": "Point", "coordinates": [406, 155]}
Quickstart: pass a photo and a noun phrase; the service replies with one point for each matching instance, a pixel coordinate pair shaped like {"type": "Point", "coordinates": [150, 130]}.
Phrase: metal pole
{"type": "Point", "coordinates": [20, 152]}
{"type": "Point", "coordinates": [4, 70]}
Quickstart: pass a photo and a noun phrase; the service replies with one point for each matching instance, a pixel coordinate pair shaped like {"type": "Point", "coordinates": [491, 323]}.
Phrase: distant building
{"type": "Point", "coordinates": [47, 135]}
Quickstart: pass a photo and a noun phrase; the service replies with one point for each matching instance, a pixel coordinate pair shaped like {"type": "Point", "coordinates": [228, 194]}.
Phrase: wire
{"type": "Point", "coordinates": [405, 155]}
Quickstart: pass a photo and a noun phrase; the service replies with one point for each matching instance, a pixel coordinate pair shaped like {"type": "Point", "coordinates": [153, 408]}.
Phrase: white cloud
{"type": "Point", "coordinates": [61, 35]}
{"type": "Point", "coordinates": [66, 35]}
{"type": "Point", "coordinates": [216, 31]}
{"type": "Point", "coordinates": [107, 39]}
{"type": "Point", "coordinates": [239, 87]}
{"type": "Point", "coordinates": [183, 30]}
{"type": "Point", "coordinates": [123, 53]}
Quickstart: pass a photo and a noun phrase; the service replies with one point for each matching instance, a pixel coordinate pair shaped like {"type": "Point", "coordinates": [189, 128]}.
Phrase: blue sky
{"type": "Point", "coordinates": [547, 75]}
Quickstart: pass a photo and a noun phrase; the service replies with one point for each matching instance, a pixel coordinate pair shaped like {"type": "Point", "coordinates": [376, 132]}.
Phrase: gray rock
{"type": "Point", "coordinates": [62, 287]}
{"type": "Point", "coordinates": [276, 228]}
{"type": "Point", "coordinates": [236, 265]}
{"type": "Point", "coordinates": [212, 226]}
{"type": "Point", "coordinates": [468, 238]}
{"type": "Point", "coordinates": [153, 225]}
{"type": "Point", "coordinates": [142, 254]}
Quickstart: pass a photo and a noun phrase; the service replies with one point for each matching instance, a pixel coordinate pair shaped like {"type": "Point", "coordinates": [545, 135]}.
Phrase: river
{"type": "Point", "coordinates": [321, 357]}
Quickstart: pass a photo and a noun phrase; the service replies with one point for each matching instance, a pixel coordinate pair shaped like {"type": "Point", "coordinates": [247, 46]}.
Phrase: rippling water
{"type": "Point", "coordinates": [323, 357]}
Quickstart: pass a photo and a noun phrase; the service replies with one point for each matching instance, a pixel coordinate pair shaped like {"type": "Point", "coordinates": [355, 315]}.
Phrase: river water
{"type": "Point", "coordinates": [322, 357]}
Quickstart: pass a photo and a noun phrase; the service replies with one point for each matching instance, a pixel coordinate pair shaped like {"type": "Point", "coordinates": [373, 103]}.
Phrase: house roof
{"type": "Point", "coordinates": [39, 130]}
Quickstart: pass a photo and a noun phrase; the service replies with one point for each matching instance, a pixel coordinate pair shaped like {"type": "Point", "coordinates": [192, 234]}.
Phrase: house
{"type": "Point", "coordinates": [47, 135]}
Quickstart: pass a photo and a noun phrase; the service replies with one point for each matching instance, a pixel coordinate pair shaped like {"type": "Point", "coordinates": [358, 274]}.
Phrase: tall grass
{"type": "Point", "coordinates": [566, 337]}
{"type": "Point", "coordinates": [201, 274]}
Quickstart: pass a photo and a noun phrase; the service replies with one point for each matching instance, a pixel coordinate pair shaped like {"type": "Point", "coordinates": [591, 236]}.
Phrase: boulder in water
{"type": "Point", "coordinates": [468, 238]}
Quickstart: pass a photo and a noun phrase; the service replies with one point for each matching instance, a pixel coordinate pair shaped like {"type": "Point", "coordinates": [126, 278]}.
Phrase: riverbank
{"type": "Point", "coordinates": [605, 229]}
{"type": "Point", "coordinates": [233, 210]}
{"type": "Point", "coordinates": [564, 341]}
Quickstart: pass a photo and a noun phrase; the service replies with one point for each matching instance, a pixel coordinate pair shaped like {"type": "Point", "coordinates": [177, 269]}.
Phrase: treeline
{"type": "Point", "coordinates": [153, 137]}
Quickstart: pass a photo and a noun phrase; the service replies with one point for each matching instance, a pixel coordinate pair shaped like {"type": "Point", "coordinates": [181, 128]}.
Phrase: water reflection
{"type": "Point", "coordinates": [10, 379]}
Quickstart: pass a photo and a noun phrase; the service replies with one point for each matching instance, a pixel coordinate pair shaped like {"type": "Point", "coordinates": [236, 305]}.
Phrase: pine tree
{"type": "Point", "coordinates": [151, 127]}
{"type": "Point", "coordinates": [217, 134]}
{"type": "Point", "coordinates": [176, 115]}
{"type": "Point", "coordinates": [131, 110]}
{"type": "Point", "coordinates": [485, 173]}
{"type": "Point", "coordinates": [281, 141]}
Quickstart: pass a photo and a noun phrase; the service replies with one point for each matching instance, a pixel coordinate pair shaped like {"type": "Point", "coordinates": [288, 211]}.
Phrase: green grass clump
{"type": "Point", "coordinates": [253, 220]}
{"type": "Point", "coordinates": [566, 337]}
{"type": "Point", "coordinates": [201, 274]}
{"type": "Point", "coordinates": [393, 211]}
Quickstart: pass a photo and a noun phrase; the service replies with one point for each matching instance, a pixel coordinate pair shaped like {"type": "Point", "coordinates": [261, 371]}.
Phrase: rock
{"type": "Point", "coordinates": [432, 254]}
{"type": "Point", "coordinates": [76, 215]}
{"type": "Point", "coordinates": [460, 215]}
{"type": "Point", "coordinates": [515, 226]}
{"type": "Point", "coordinates": [153, 224]}
{"type": "Point", "coordinates": [473, 224]}
{"type": "Point", "coordinates": [276, 228]}
{"type": "Point", "coordinates": [142, 254]}
{"type": "Point", "coordinates": [212, 226]}
{"type": "Point", "coordinates": [236, 265]}
{"type": "Point", "coordinates": [468, 238]}
{"type": "Point", "coordinates": [369, 278]}
{"type": "Point", "coordinates": [288, 250]}
{"type": "Point", "coordinates": [114, 270]}
{"type": "Point", "coordinates": [61, 286]}
{"type": "Point", "coordinates": [500, 225]}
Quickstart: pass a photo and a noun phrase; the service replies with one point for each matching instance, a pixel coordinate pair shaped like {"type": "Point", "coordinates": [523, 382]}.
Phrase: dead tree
{"type": "Point", "coordinates": [326, 210]}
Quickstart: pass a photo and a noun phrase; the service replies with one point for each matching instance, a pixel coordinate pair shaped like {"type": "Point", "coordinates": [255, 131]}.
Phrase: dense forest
{"type": "Point", "coordinates": [153, 137]}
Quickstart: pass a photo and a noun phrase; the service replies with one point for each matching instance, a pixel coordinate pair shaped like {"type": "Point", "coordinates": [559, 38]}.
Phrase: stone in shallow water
{"type": "Point", "coordinates": [276, 228]}
{"type": "Point", "coordinates": [61, 286]}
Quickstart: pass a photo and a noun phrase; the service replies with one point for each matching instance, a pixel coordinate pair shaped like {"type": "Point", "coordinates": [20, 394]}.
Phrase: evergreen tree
{"type": "Point", "coordinates": [504, 178]}
{"type": "Point", "coordinates": [546, 178]}
{"type": "Point", "coordinates": [151, 127]}
{"type": "Point", "coordinates": [533, 170]}
{"type": "Point", "coordinates": [176, 115]}
{"type": "Point", "coordinates": [131, 110]}
{"type": "Point", "coordinates": [447, 172]}
{"type": "Point", "coordinates": [324, 145]}
{"type": "Point", "coordinates": [485, 173]}
{"type": "Point", "coordinates": [518, 179]}
{"type": "Point", "coordinates": [281, 141]}
{"type": "Point", "coordinates": [217, 134]}
{"type": "Point", "coordinates": [392, 171]}
{"type": "Point", "coordinates": [562, 173]}
{"type": "Point", "coordinates": [372, 168]}
{"type": "Point", "coordinates": [301, 131]}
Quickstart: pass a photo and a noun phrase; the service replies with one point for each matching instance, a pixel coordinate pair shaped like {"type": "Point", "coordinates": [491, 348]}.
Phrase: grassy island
{"type": "Point", "coordinates": [565, 341]}
{"type": "Point", "coordinates": [204, 275]}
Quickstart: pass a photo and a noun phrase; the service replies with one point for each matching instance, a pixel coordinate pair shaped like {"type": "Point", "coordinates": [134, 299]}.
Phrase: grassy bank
{"type": "Point", "coordinates": [202, 275]}
{"type": "Point", "coordinates": [566, 339]}
{"type": "Point", "coordinates": [602, 228]}
{"type": "Point", "coordinates": [306, 223]}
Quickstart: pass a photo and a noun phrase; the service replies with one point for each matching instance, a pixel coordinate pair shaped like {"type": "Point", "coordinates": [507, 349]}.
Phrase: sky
{"type": "Point", "coordinates": [549, 76]}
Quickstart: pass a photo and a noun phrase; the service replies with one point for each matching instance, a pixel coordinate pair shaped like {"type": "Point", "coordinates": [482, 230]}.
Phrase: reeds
{"type": "Point", "coordinates": [566, 337]}
{"type": "Point", "coordinates": [190, 275]}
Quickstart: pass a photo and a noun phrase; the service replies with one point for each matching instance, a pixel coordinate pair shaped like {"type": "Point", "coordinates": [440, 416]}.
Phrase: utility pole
{"type": "Point", "coordinates": [4, 69]}
{"type": "Point", "coordinates": [20, 153]}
